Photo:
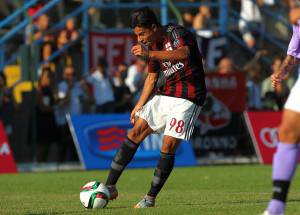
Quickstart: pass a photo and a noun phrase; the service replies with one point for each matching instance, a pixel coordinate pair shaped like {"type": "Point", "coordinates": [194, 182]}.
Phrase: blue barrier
{"type": "Point", "coordinates": [97, 137]}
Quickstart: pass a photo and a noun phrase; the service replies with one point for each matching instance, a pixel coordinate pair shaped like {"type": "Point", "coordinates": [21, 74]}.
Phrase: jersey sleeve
{"type": "Point", "coordinates": [153, 66]}
{"type": "Point", "coordinates": [179, 37]}
{"type": "Point", "coordinates": [294, 46]}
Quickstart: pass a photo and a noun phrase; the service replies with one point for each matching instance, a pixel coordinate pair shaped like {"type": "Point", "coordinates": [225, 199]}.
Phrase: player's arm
{"type": "Point", "coordinates": [294, 15]}
{"type": "Point", "coordinates": [148, 90]}
{"type": "Point", "coordinates": [287, 66]}
{"type": "Point", "coordinates": [291, 60]}
{"type": "Point", "coordinates": [178, 54]}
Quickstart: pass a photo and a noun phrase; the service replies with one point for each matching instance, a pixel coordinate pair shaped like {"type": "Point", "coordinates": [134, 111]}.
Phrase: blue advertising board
{"type": "Point", "coordinates": [97, 138]}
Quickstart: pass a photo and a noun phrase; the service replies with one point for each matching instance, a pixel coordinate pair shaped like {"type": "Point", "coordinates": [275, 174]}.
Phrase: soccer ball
{"type": "Point", "coordinates": [94, 195]}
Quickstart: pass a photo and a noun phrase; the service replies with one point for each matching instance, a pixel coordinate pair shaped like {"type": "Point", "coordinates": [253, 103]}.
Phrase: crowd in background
{"type": "Point", "coordinates": [62, 88]}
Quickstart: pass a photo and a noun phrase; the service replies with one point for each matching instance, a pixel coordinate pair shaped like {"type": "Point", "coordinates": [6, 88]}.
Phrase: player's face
{"type": "Point", "coordinates": [145, 35]}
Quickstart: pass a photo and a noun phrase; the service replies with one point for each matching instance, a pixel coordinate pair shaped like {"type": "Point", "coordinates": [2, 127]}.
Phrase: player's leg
{"type": "Point", "coordinates": [125, 153]}
{"type": "Point", "coordinates": [285, 160]}
{"type": "Point", "coordinates": [163, 170]}
{"type": "Point", "coordinates": [178, 118]}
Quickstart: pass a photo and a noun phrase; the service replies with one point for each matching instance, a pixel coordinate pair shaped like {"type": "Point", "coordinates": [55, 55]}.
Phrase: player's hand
{"type": "Point", "coordinates": [277, 79]}
{"type": "Point", "coordinates": [140, 50]}
{"type": "Point", "coordinates": [133, 112]}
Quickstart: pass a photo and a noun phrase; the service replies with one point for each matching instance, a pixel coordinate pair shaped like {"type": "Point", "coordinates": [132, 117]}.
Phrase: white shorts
{"type": "Point", "coordinates": [293, 101]}
{"type": "Point", "coordinates": [171, 116]}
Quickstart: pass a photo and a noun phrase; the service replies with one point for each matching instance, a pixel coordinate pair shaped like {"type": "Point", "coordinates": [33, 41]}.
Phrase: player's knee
{"type": "Point", "coordinates": [169, 147]}
{"type": "Point", "coordinates": [134, 135]}
{"type": "Point", "coordinates": [288, 134]}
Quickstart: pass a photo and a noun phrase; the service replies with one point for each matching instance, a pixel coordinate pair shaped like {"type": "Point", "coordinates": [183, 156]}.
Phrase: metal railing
{"type": "Point", "coordinates": [264, 34]}
{"type": "Point", "coordinates": [20, 26]}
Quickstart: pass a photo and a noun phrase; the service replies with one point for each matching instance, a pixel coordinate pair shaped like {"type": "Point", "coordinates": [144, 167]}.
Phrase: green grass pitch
{"type": "Point", "coordinates": [215, 190]}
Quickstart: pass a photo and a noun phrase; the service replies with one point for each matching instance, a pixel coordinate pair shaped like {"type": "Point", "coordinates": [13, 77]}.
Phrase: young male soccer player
{"type": "Point", "coordinates": [173, 55]}
{"type": "Point", "coordinates": [287, 154]}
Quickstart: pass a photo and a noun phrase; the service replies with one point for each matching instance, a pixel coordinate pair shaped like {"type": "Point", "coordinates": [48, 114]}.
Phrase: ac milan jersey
{"type": "Point", "coordinates": [183, 78]}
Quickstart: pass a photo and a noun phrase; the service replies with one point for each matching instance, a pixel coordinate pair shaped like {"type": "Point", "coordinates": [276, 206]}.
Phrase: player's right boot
{"type": "Point", "coordinates": [146, 202]}
{"type": "Point", "coordinates": [113, 192]}
{"type": "Point", "coordinates": [267, 213]}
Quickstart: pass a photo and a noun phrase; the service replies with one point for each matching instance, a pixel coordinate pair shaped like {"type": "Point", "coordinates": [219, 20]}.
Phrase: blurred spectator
{"type": "Point", "coordinates": [71, 56]}
{"type": "Point", "coordinates": [70, 32]}
{"type": "Point", "coordinates": [65, 59]}
{"type": "Point", "coordinates": [38, 29]}
{"type": "Point", "coordinates": [45, 121]}
{"type": "Point", "coordinates": [6, 104]}
{"type": "Point", "coordinates": [121, 91]}
{"type": "Point", "coordinates": [253, 85]}
{"type": "Point", "coordinates": [188, 19]}
{"type": "Point", "coordinates": [70, 94]}
{"type": "Point", "coordinates": [295, 15]}
{"type": "Point", "coordinates": [95, 15]}
{"type": "Point", "coordinates": [202, 18]}
{"type": "Point", "coordinates": [46, 51]}
{"type": "Point", "coordinates": [226, 66]}
{"type": "Point", "coordinates": [250, 19]}
{"type": "Point", "coordinates": [274, 99]}
{"type": "Point", "coordinates": [62, 39]}
{"type": "Point", "coordinates": [102, 89]}
{"type": "Point", "coordinates": [120, 74]}
{"type": "Point", "coordinates": [135, 74]}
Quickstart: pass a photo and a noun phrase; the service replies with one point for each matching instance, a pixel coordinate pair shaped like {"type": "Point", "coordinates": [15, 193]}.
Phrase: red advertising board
{"type": "Point", "coordinates": [263, 130]}
{"type": "Point", "coordinates": [115, 48]}
{"type": "Point", "coordinates": [228, 88]}
{"type": "Point", "coordinates": [7, 162]}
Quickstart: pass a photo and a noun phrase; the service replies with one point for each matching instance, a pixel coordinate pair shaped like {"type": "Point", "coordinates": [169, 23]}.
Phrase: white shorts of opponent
{"type": "Point", "coordinates": [293, 101]}
{"type": "Point", "coordinates": [171, 116]}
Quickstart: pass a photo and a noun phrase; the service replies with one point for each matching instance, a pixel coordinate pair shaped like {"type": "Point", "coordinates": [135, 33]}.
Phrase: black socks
{"type": "Point", "coordinates": [123, 156]}
{"type": "Point", "coordinates": [280, 190]}
{"type": "Point", "coordinates": [161, 173]}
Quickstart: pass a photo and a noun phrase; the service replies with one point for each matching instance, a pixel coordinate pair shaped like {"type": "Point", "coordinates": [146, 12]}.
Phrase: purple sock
{"type": "Point", "coordinates": [284, 166]}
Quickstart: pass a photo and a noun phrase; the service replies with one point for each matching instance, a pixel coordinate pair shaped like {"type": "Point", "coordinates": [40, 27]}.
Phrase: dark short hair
{"type": "Point", "coordinates": [143, 17]}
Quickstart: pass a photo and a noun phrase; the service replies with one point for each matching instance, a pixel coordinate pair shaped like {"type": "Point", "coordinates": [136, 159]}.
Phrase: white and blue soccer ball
{"type": "Point", "coordinates": [94, 195]}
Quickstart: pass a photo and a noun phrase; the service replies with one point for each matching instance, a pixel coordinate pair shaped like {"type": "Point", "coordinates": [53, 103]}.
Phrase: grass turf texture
{"type": "Point", "coordinates": [216, 190]}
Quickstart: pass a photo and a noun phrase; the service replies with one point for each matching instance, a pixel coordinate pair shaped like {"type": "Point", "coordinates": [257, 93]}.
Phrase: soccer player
{"type": "Point", "coordinates": [170, 106]}
{"type": "Point", "coordinates": [287, 154]}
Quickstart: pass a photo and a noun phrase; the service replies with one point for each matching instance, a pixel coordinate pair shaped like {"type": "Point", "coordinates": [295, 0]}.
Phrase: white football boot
{"type": "Point", "coordinates": [146, 202]}
{"type": "Point", "coordinates": [267, 213]}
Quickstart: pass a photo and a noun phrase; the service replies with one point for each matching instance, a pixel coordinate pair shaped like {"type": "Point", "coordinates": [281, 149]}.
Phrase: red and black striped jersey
{"type": "Point", "coordinates": [183, 78]}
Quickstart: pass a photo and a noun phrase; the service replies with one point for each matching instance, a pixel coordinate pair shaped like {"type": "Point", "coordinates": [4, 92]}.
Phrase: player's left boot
{"type": "Point", "coordinates": [113, 192]}
{"type": "Point", "coordinates": [146, 202]}
{"type": "Point", "coordinates": [267, 213]}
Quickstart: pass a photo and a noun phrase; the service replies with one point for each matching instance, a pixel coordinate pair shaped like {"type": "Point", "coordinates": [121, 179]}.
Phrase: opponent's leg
{"type": "Point", "coordinates": [125, 154]}
{"type": "Point", "coordinates": [164, 168]}
{"type": "Point", "coordinates": [284, 161]}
